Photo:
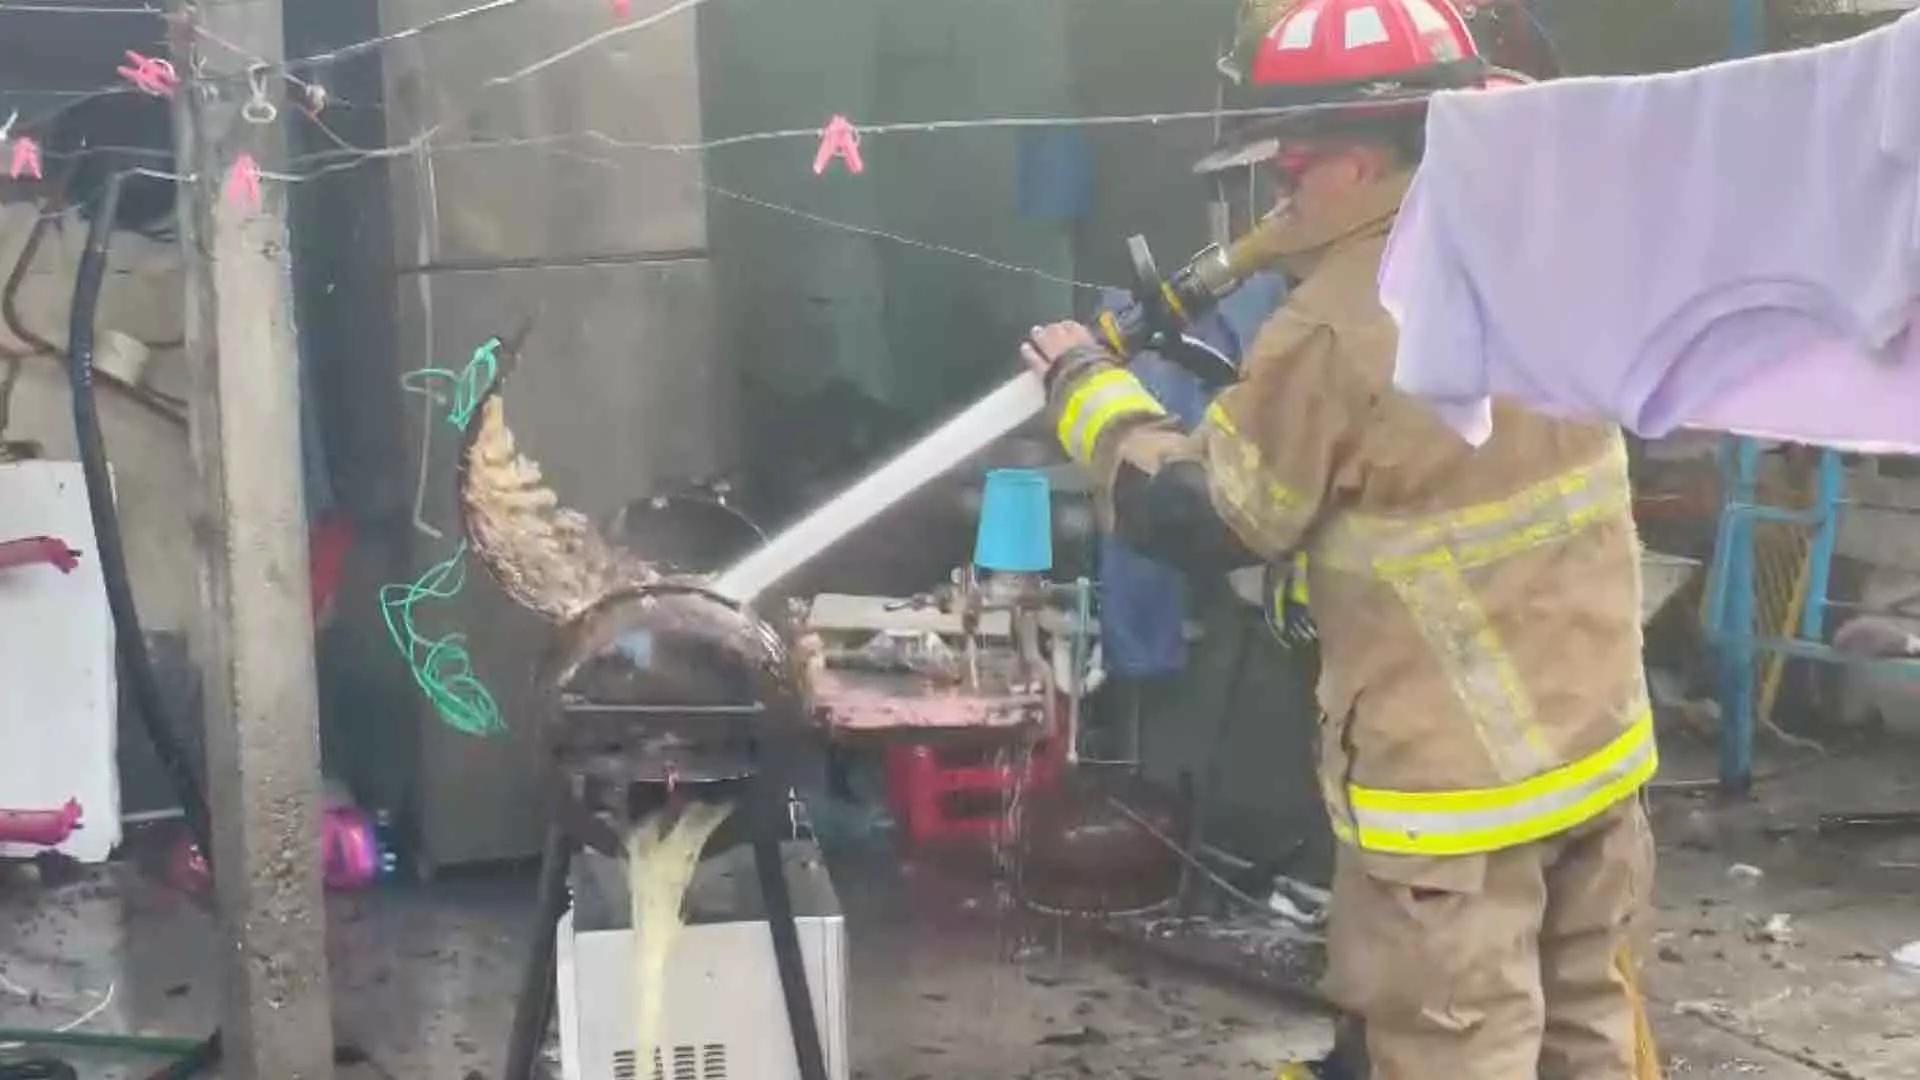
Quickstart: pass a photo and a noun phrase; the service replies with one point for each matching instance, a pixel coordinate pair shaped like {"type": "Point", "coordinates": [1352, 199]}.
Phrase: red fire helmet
{"type": "Point", "coordinates": [1329, 44]}
{"type": "Point", "coordinates": [1322, 59]}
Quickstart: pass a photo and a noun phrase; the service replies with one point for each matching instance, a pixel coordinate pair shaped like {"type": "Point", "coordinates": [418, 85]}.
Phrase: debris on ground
{"type": "Point", "coordinates": [1776, 930]}
{"type": "Point", "coordinates": [1907, 957]}
{"type": "Point", "coordinates": [1251, 949]}
{"type": "Point", "coordinates": [1086, 1036]}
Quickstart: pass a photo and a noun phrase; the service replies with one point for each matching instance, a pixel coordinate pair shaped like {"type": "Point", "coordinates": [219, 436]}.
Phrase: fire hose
{"type": "Point", "coordinates": [1157, 318]}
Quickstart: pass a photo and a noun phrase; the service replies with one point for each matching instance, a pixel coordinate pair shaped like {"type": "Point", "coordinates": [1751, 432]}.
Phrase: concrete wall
{"type": "Point", "coordinates": [1134, 57]}
{"type": "Point", "coordinates": [604, 249]}
{"type": "Point", "coordinates": [153, 477]}
{"type": "Point", "coordinates": [852, 342]}
{"type": "Point", "coordinates": [803, 308]}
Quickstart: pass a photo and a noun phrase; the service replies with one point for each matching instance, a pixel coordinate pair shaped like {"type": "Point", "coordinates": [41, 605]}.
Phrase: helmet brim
{"type": "Point", "coordinates": [1250, 140]}
{"type": "Point", "coordinates": [1237, 155]}
{"type": "Point", "coordinates": [1256, 135]}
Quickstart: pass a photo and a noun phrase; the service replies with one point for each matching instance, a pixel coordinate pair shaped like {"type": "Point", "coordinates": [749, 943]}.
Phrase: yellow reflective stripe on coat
{"type": "Point", "coordinates": [1271, 514]}
{"type": "Point", "coordinates": [1490, 819]}
{"type": "Point", "coordinates": [1093, 406]}
{"type": "Point", "coordinates": [1426, 560]}
{"type": "Point", "coordinates": [1476, 536]}
{"type": "Point", "coordinates": [1292, 589]}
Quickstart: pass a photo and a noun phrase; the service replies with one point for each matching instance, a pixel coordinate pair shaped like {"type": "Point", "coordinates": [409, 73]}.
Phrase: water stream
{"type": "Point", "coordinates": [1015, 402]}
{"type": "Point", "coordinates": [661, 858]}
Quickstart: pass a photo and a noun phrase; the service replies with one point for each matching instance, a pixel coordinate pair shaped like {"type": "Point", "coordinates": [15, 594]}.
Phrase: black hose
{"type": "Point", "coordinates": [136, 664]}
{"type": "Point", "coordinates": [767, 793]}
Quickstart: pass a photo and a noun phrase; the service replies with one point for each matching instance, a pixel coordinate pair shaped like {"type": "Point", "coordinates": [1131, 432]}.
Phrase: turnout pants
{"type": "Point", "coordinates": [1500, 966]}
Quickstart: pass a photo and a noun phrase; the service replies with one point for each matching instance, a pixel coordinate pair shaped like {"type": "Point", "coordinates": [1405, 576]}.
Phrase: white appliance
{"type": "Point", "coordinates": [58, 708]}
{"type": "Point", "coordinates": [724, 1016]}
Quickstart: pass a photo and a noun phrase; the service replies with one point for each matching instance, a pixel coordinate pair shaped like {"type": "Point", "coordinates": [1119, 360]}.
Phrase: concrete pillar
{"type": "Point", "coordinates": [254, 636]}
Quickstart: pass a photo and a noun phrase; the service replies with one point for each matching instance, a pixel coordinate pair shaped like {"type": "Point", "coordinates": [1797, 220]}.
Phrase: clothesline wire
{"type": "Point", "coordinates": [285, 68]}
{"type": "Point", "coordinates": [346, 156]}
{"type": "Point", "coordinates": [332, 158]}
{"type": "Point", "coordinates": [594, 39]}
{"type": "Point", "coordinates": [356, 48]}
{"type": "Point", "coordinates": [781, 208]}
{"type": "Point", "coordinates": [79, 9]}
{"type": "Point", "coordinates": [76, 98]}
{"type": "Point", "coordinates": [256, 61]}
{"type": "Point", "coordinates": [904, 127]}
{"type": "Point", "coordinates": [881, 234]}
{"type": "Point", "coordinates": [652, 19]}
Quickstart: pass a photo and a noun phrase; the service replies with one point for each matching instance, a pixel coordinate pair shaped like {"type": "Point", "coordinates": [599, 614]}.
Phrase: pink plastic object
{"type": "Point", "coordinates": [187, 869]}
{"type": "Point", "coordinates": [243, 183]}
{"type": "Point", "coordinates": [43, 827]}
{"type": "Point", "coordinates": [38, 549]}
{"type": "Point", "coordinates": [350, 856]}
{"type": "Point", "coordinates": [840, 140]}
{"type": "Point", "coordinates": [350, 848]}
{"type": "Point", "coordinates": [25, 161]}
{"type": "Point", "coordinates": [149, 75]}
{"type": "Point", "coordinates": [962, 788]}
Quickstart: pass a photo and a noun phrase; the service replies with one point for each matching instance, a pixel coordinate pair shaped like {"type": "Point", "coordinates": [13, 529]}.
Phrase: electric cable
{"type": "Point", "coordinates": [171, 409]}
{"type": "Point", "coordinates": [766, 792]}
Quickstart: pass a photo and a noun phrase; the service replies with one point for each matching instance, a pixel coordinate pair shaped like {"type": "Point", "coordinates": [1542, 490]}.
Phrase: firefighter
{"type": "Point", "coordinates": [1486, 727]}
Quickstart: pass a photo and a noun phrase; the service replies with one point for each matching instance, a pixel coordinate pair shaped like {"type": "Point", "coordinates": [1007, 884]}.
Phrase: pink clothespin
{"type": "Point", "coordinates": [622, 9]}
{"type": "Point", "coordinates": [25, 161]}
{"type": "Point", "coordinates": [840, 140]}
{"type": "Point", "coordinates": [149, 74]}
{"type": "Point", "coordinates": [243, 183]}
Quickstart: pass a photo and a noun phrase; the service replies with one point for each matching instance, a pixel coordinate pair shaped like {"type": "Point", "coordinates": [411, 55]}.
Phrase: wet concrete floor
{"type": "Point", "coordinates": [946, 986]}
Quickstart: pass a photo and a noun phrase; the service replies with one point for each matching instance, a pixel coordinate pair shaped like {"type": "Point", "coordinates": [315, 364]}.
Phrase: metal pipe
{"type": "Point", "coordinates": [136, 1044]}
{"type": "Point", "coordinates": [1820, 556]}
{"type": "Point", "coordinates": [1741, 461]}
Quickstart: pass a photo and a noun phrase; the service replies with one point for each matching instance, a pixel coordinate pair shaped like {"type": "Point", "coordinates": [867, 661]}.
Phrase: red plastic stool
{"type": "Point", "coordinates": [960, 788]}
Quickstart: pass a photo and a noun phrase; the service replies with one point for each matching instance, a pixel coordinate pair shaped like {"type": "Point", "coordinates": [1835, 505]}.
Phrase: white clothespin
{"type": "Point", "coordinates": [259, 109]}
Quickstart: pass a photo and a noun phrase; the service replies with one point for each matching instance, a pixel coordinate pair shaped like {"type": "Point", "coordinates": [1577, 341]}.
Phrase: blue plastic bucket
{"type": "Point", "coordinates": [1016, 523]}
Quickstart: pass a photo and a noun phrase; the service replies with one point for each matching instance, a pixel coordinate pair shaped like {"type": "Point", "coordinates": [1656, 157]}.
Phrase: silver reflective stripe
{"type": "Point", "coordinates": [1478, 667]}
{"type": "Point", "coordinates": [1425, 561]}
{"type": "Point", "coordinates": [1271, 516]}
{"type": "Point", "coordinates": [1417, 824]}
{"type": "Point", "coordinates": [1480, 535]}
